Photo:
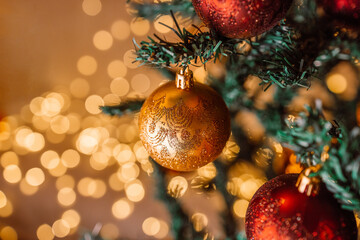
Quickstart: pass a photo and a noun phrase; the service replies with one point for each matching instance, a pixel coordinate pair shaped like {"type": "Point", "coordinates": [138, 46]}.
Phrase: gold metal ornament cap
{"type": "Point", "coordinates": [308, 184]}
{"type": "Point", "coordinates": [184, 125]}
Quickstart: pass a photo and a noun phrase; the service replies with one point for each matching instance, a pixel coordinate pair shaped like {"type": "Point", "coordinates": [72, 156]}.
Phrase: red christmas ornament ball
{"type": "Point", "coordinates": [279, 211]}
{"type": "Point", "coordinates": [241, 18]}
{"type": "Point", "coordinates": [345, 11]}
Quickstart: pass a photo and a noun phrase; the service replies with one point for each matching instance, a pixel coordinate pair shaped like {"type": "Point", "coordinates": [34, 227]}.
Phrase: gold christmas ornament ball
{"type": "Point", "coordinates": [184, 125]}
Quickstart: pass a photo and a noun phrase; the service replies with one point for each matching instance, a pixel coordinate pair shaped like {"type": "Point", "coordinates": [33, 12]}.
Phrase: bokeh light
{"type": "Point", "coordinates": [135, 191]}
{"type": "Point", "coordinates": [140, 27]}
{"type": "Point", "coordinates": [9, 158]}
{"type": "Point", "coordinates": [93, 103]}
{"type": "Point", "coordinates": [60, 228]}
{"type": "Point", "coordinates": [44, 232]}
{"type": "Point", "coordinates": [3, 199]}
{"type": "Point", "coordinates": [140, 83]}
{"type": "Point", "coordinates": [110, 231]}
{"type": "Point", "coordinates": [7, 210]}
{"type": "Point", "coordinates": [79, 88]}
{"type": "Point", "coordinates": [27, 189]}
{"type": "Point", "coordinates": [66, 196]}
{"type": "Point", "coordinates": [116, 68]}
{"type": "Point", "coordinates": [177, 186]}
{"type": "Point", "coordinates": [70, 158]}
{"type": "Point", "coordinates": [120, 29]}
{"type": "Point", "coordinates": [165, 19]}
{"type": "Point", "coordinates": [91, 7]}
{"type": "Point", "coordinates": [12, 174]}
{"type": "Point", "coordinates": [151, 226]}
{"type": "Point", "coordinates": [200, 221]}
{"type": "Point", "coordinates": [35, 177]}
{"type": "Point", "coordinates": [122, 208]}
{"type": "Point", "coordinates": [72, 217]}
{"type": "Point", "coordinates": [103, 40]}
{"type": "Point", "coordinates": [8, 233]}
{"type": "Point", "coordinates": [87, 65]}
{"type": "Point", "coordinates": [336, 83]}
{"type": "Point", "coordinates": [119, 86]}
{"type": "Point", "coordinates": [240, 207]}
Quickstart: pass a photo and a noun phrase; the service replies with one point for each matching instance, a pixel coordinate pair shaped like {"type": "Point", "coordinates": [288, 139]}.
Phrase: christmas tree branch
{"type": "Point", "coordinates": [151, 10]}
{"type": "Point", "coordinates": [122, 109]}
{"type": "Point", "coordinates": [317, 141]}
{"type": "Point", "coordinates": [200, 47]}
{"type": "Point", "coordinates": [229, 223]}
{"type": "Point", "coordinates": [181, 226]}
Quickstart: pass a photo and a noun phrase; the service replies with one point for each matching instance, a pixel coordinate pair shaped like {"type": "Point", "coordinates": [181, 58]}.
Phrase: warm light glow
{"type": "Point", "coordinates": [75, 124]}
{"type": "Point", "coordinates": [99, 161]}
{"type": "Point", "coordinates": [140, 83]}
{"type": "Point", "coordinates": [88, 141]}
{"type": "Point", "coordinates": [41, 123]}
{"type": "Point", "coordinates": [83, 186]}
{"type": "Point", "coordinates": [66, 196]}
{"type": "Point", "coordinates": [91, 7]}
{"type": "Point", "coordinates": [103, 40]}
{"type": "Point", "coordinates": [122, 208]}
{"type": "Point", "coordinates": [20, 135]}
{"type": "Point", "coordinates": [119, 86]}
{"type": "Point", "coordinates": [54, 137]}
{"type": "Point", "coordinates": [44, 232]}
{"type": "Point", "coordinates": [9, 158]}
{"type": "Point", "coordinates": [200, 221]}
{"type": "Point", "coordinates": [151, 226]}
{"type": "Point", "coordinates": [8, 233]}
{"type": "Point", "coordinates": [248, 188]}
{"type": "Point", "coordinates": [27, 189]}
{"type": "Point", "coordinates": [164, 230]}
{"type": "Point", "coordinates": [50, 159]}
{"type": "Point", "coordinates": [87, 65]}
{"type": "Point", "coordinates": [116, 69]}
{"type": "Point", "coordinates": [129, 58]}
{"type": "Point", "coordinates": [79, 88]}
{"type": "Point", "coordinates": [129, 171]}
{"type": "Point", "coordinates": [165, 19]}
{"type": "Point", "coordinates": [3, 199]}
{"type": "Point", "coordinates": [51, 106]}
{"type": "Point", "coordinates": [60, 124]}
{"type": "Point", "coordinates": [60, 228]}
{"type": "Point", "coordinates": [240, 207]}
{"type": "Point", "coordinates": [70, 158]}
{"type": "Point", "coordinates": [7, 210]}
{"type": "Point", "coordinates": [99, 190]}
{"type": "Point", "coordinates": [35, 177]}
{"type": "Point", "coordinates": [12, 174]}
{"type": "Point", "coordinates": [135, 191]}
{"type": "Point", "coordinates": [72, 217]}
{"type": "Point", "coordinates": [34, 142]}
{"type": "Point", "coordinates": [93, 103]}
{"type": "Point", "coordinates": [60, 170]}
{"type": "Point", "coordinates": [66, 181]}
{"type": "Point", "coordinates": [4, 131]}
{"type": "Point", "coordinates": [208, 171]}
{"type": "Point", "coordinates": [336, 83]}
{"type": "Point", "coordinates": [177, 186]}
{"type": "Point", "coordinates": [109, 231]}
{"type": "Point", "coordinates": [115, 183]}
{"type": "Point", "coordinates": [140, 27]}
{"type": "Point", "coordinates": [35, 106]}
{"type": "Point", "coordinates": [123, 153]}
{"type": "Point", "coordinates": [120, 30]}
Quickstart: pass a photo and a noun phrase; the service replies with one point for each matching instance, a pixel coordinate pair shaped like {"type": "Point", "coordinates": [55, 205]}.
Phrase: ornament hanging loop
{"type": "Point", "coordinates": [184, 79]}
{"type": "Point", "coordinates": [308, 184]}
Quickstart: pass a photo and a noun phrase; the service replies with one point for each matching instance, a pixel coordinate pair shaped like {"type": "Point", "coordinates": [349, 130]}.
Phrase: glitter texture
{"type": "Point", "coordinates": [241, 18]}
{"type": "Point", "coordinates": [279, 211]}
{"type": "Point", "coordinates": [184, 129]}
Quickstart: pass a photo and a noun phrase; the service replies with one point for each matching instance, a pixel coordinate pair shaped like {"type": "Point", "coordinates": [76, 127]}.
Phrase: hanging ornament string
{"type": "Point", "coordinates": [184, 125]}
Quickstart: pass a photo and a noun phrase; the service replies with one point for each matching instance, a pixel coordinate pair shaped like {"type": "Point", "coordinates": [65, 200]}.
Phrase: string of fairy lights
{"type": "Point", "coordinates": [70, 117]}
